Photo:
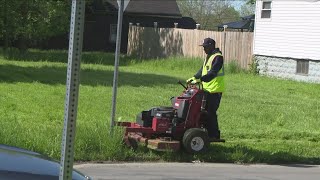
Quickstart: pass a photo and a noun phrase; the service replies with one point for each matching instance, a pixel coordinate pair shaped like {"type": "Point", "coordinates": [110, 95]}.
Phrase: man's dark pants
{"type": "Point", "coordinates": [212, 105]}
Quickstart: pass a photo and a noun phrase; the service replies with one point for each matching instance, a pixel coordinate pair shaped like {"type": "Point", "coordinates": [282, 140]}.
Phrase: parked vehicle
{"type": "Point", "coordinates": [21, 164]}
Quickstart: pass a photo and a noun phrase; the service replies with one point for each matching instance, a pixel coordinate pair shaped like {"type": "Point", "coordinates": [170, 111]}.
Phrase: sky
{"type": "Point", "coordinates": [237, 3]}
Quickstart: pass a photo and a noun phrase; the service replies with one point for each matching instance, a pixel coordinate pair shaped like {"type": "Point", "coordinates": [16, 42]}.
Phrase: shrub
{"type": "Point", "coordinates": [253, 67]}
{"type": "Point", "coordinates": [233, 67]}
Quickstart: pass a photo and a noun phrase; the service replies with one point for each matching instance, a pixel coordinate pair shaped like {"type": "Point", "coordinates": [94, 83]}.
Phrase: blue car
{"type": "Point", "coordinates": [21, 164]}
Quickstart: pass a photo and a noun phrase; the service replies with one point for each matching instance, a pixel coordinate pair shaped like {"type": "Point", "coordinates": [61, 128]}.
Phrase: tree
{"type": "Point", "coordinates": [33, 20]}
{"type": "Point", "coordinates": [4, 23]}
{"type": "Point", "coordinates": [247, 9]}
{"type": "Point", "coordinates": [209, 14]}
{"type": "Point", "coordinates": [223, 12]}
{"type": "Point", "coordinates": [251, 1]}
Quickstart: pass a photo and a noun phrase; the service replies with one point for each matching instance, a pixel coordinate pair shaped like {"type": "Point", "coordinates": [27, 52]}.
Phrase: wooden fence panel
{"type": "Point", "coordinates": [163, 42]}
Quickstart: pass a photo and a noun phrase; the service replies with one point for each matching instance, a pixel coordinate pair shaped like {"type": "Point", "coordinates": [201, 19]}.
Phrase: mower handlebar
{"type": "Point", "coordinates": [189, 84]}
{"type": "Point", "coordinates": [185, 87]}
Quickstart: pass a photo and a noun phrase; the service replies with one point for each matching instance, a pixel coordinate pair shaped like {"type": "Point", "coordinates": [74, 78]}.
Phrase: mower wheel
{"type": "Point", "coordinates": [195, 140]}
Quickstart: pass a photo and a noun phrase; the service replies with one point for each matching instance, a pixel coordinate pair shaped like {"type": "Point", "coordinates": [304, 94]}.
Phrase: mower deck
{"type": "Point", "coordinates": [158, 144]}
{"type": "Point", "coordinates": [133, 136]}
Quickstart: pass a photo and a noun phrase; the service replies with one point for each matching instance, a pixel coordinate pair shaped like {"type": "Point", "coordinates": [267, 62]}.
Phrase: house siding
{"type": "Point", "coordinates": [292, 31]}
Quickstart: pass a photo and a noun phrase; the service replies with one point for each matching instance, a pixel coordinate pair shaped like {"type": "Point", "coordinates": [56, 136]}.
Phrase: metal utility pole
{"type": "Point", "coordinates": [122, 4]}
{"type": "Point", "coordinates": [72, 91]}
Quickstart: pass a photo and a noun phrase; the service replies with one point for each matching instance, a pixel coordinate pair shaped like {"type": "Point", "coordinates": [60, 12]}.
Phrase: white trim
{"type": "Point", "coordinates": [260, 11]}
{"type": "Point", "coordinates": [254, 28]}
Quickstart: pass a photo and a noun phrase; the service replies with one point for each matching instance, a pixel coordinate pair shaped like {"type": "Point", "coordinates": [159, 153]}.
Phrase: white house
{"type": "Point", "coordinates": [287, 39]}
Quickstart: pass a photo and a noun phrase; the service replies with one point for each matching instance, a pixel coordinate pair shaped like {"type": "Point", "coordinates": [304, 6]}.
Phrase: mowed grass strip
{"type": "Point", "coordinates": [264, 120]}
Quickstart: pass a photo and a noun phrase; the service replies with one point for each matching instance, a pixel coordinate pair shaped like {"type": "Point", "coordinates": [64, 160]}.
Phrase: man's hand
{"type": "Point", "coordinates": [195, 81]}
{"type": "Point", "coordinates": [191, 79]}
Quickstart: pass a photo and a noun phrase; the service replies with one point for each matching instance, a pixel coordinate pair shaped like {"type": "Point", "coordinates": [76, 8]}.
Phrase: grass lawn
{"type": "Point", "coordinates": [264, 120]}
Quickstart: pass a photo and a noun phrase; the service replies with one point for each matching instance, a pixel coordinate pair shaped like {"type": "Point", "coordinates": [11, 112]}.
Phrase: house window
{"type": "Point", "coordinates": [302, 67]}
{"type": "Point", "coordinates": [113, 33]}
{"type": "Point", "coordinates": [266, 9]}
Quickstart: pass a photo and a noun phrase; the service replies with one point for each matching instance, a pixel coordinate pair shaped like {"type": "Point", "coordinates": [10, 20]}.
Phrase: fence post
{"type": "Point", "coordinates": [198, 26]}
{"type": "Point", "coordinates": [176, 25]}
{"type": "Point", "coordinates": [224, 40]}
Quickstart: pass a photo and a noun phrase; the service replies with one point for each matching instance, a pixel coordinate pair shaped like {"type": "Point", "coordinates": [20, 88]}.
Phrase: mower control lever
{"type": "Point", "coordinates": [182, 85]}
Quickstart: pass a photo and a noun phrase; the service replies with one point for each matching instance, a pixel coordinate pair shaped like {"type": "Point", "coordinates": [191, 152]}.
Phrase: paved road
{"type": "Point", "coordinates": [194, 171]}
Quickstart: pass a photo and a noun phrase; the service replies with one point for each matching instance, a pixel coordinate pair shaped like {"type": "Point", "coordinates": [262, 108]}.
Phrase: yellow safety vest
{"type": "Point", "coordinates": [216, 85]}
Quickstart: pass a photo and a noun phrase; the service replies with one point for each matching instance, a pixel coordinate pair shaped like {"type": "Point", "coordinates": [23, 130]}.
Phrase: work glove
{"type": "Point", "coordinates": [195, 81]}
{"type": "Point", "coordinates": [190, 79]}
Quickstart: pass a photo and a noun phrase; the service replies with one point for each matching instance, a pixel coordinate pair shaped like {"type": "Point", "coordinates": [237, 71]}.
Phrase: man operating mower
{"type": "Point", "coordinates": [211, 74]}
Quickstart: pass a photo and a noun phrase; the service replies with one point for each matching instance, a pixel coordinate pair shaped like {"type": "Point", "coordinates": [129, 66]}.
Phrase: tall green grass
{"type": "Point", "coordinates": [264, 120]}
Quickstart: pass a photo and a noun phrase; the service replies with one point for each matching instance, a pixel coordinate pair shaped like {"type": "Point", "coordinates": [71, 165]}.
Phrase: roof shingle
{"type": "Point", "coordinates": [151, 7]}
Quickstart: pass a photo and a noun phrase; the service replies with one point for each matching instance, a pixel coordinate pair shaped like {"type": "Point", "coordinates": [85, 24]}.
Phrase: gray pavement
{"type": "Point", "coordinates": [194, 171]}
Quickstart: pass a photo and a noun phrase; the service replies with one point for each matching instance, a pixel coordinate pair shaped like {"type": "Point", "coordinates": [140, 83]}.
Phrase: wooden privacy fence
{"type": "Point", "coordinates": [163, 42]}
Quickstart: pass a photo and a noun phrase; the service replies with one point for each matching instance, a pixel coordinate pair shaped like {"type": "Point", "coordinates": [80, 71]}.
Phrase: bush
{"type": "Point", "coordinates": [233, 67]}
{"type": "Point", "coordinates": [253, 67]}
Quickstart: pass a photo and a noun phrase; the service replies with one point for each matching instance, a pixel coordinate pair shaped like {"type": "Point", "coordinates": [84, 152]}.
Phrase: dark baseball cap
{"type": "Point", "coordinates": [208, 42]}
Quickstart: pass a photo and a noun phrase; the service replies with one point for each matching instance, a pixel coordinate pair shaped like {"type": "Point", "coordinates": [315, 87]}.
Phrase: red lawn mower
{"type": "Point", "coordinates": [171, 128]}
